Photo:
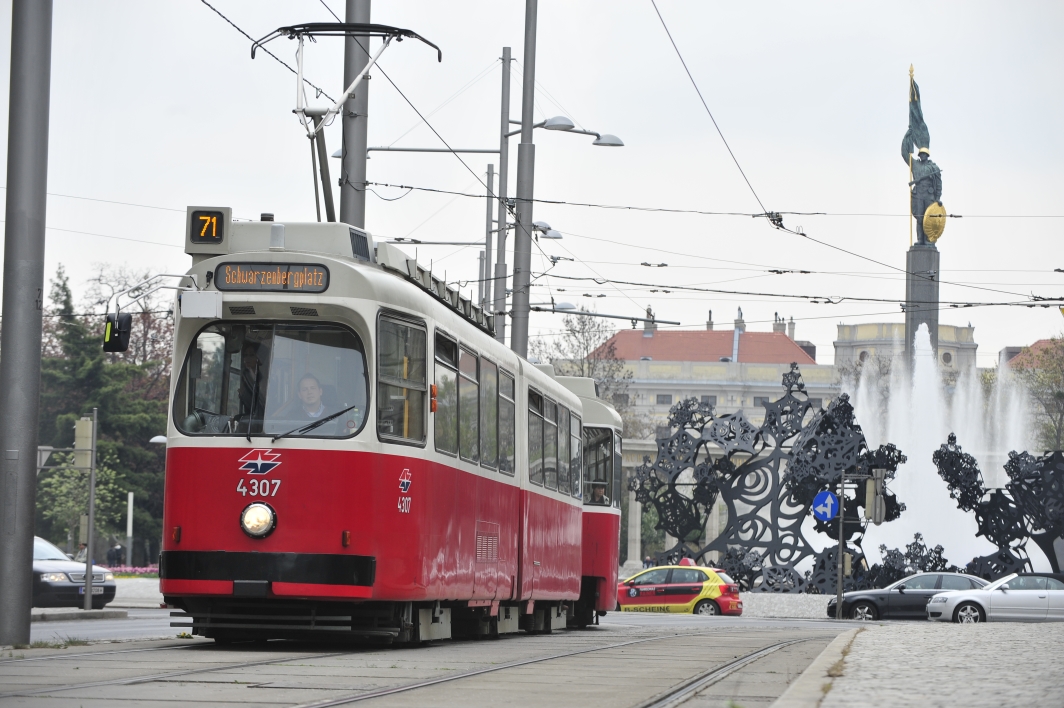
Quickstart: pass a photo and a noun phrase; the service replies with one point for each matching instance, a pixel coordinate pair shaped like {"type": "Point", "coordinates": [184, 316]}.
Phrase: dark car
{"type": "Point", "coordinates": [60, 582]}
{"type": "Point", "coordinates": [905, 599]}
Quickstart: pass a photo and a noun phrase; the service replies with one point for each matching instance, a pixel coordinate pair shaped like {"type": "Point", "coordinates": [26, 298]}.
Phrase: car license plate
{"type": "Point", "coordinates": [96, 590]}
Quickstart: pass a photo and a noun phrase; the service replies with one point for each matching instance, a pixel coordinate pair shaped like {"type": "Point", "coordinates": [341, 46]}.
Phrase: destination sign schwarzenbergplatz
{"type": "Point", "coordinates": [272, 277]}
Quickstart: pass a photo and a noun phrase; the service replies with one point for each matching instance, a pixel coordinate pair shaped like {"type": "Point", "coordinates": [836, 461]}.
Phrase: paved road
{"type": "Point", "coordinates": [625, 661]}
{"type": "Point", "coordinates": [931, 664]}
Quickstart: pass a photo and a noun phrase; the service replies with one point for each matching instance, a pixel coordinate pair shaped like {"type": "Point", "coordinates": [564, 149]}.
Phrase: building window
{"type": "Point", "coordinates": [711, 400]}
{"type": "Point", "coordinates": [664, 399]}
{"type": "Point", "coordinates": [662, 431]}
{"type": "Point", "coordinates": [620, 400]}
{"type": "Point", "coordinates": [760, 401]}
{"type": "Point", "coordinates": [816, 403]}
{"type": "Point", "coordinates": [947, 358]}
{"type": "Point", "coordinates": [863, 356]}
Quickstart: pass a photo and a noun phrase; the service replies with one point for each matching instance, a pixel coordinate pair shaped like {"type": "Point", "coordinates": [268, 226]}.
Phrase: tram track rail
{"type": "Point", "coordinates": [147, 678]}
{"type": "Point", "coordinates": [669, 698]}
{"type": "Point", "coordinates": [676, 695]}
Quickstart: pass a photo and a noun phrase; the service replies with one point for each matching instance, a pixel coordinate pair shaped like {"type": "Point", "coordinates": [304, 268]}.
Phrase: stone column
{"type": "Point", "coordinates": [921, 295]}
{"type": "Point", "coordinates": [635, 538]}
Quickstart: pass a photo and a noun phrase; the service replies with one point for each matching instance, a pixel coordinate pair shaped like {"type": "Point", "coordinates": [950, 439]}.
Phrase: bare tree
{"type": "Point", "coordinates": [152, 339]}
{"type": "Point", "coordinates": [585, 348]}
{"type": "Point", "coordinates": [1042, 373]}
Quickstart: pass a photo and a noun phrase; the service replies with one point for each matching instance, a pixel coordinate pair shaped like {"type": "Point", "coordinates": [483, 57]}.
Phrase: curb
{"type": "Point", "coordinates": [63, 615]}
{"type": "Point", "coordinates": [807, 691]}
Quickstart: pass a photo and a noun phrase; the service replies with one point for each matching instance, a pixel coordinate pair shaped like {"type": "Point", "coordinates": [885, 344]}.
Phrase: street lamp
{"type": "Point", "coordinates": [526, 158]}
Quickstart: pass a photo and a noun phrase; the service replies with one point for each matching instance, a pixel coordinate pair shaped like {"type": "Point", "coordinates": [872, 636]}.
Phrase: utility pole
{"type": "Point", "coordinates": [503, 211]}
{"type": "Point", "coordinates": [355, 121]}
{"type": "Point", "coordinates": [842, 546]}
{"type": "Point", "coordinates": [484, 287]}
{"type": "Point", "coordinates": [526, 165]}
{"type": "Point", "coordinates": [20, 366]}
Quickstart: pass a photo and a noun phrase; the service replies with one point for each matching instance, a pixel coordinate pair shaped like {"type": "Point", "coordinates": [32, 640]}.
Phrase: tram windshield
{"type": "Point", "coordinates": [268, 379]}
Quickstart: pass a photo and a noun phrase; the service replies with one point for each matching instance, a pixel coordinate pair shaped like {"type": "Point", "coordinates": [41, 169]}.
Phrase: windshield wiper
{"type": "Point", "coordinates": [315, 424]}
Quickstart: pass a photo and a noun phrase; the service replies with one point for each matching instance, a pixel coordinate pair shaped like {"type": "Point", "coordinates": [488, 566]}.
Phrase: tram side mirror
{"type": "Point", "coordinates": [116, 332]}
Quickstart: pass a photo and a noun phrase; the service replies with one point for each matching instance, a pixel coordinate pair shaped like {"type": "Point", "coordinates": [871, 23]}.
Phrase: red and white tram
{"type": "Point", "coordinates": [351, 452]}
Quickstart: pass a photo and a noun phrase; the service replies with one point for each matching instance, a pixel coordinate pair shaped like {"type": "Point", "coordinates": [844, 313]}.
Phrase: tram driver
{"type": "Point", "coordinates": [598, 494]}
{"type": "Point", "coordinates": [312, 407]}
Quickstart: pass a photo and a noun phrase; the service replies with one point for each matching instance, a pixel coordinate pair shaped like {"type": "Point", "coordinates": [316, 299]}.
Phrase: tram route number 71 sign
{"type": "Point", "coordinates": [825, 506]}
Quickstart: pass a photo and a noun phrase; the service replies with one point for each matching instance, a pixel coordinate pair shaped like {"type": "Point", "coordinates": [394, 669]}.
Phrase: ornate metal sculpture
{"type": "Point", "coordinates": [1031, 506]}
{"type": "Point", "coordinates": [767, 484]}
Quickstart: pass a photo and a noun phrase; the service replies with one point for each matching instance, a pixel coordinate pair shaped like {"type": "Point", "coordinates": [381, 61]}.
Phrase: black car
{"type": "Point", "coordinates": [60, 582]}
{"type": "Point", "coordinates": [905, 599]}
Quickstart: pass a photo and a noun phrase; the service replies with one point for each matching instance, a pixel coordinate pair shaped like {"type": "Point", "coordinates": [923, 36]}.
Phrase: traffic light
{"type": "Point", "coordinates": [875, 508]}
{"type": "Point", "coordinates": [116, 332]}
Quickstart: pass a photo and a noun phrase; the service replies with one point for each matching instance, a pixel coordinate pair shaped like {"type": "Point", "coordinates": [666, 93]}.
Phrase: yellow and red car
{"type": "Point", "coordinates": [680, 589]}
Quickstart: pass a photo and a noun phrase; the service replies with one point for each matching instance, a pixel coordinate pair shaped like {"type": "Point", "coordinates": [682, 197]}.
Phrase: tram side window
{"type": "Point", "coordinates": [598, 465]}
{"type": "Point", "coordinates": [550, 444]}
{"type": "Point", "coordinates": [617, 470]}
{"type": "Point", "coordinates": [576, 457]}
{"type": "Point", "coordinates": [535, 437]}
{"type": "Point", "coordinates": [507, 424]}
{"type": "Point", "coordinates": [489, 414]}
{"type": "Point", "coordinates": [445, 425]}
{"type": "Point", "coordinates": [468, 406]}
{"type": "Point", "coordinates": [564, 486]}
{"type": "Point", "coordinates": [401, 381]}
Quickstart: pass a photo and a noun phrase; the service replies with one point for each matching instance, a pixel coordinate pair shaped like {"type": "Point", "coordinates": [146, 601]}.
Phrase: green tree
{"type": "Point", "coordinates": [129, 390]}
{"type": "Point", "coordinates": [63, 495]}
{"type": "Point", "coordinates": [1042, 373]}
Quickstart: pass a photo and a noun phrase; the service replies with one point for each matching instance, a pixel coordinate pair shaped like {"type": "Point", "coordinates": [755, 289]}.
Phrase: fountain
{"type": "Point", "coordinates": [917, 414]}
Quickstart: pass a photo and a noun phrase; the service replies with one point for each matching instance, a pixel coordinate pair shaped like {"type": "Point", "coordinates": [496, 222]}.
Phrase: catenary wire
{"type": "Point", "coordinates": [706, 106]}
{"type": "Point", "coordinates": [280, 61]}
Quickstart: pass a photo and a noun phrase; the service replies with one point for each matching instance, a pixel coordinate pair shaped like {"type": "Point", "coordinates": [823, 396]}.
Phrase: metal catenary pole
{"type": "Point", "coordinates": [90, 537]}
{"type": "Point", "coordinates": [526, 165]}
{"type": "Point", "coordinates": [355, 121]}
{"type": "Point", "coordinates": [485, 289]}
{"type": "Point", "coordinates": [503, 212]}
{"type": "Point", "coordinates": [20, 366]}
{"type": "Point", "coordinates": [842, 548]}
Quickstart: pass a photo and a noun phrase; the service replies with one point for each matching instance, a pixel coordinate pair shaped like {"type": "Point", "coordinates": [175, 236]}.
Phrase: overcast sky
{"type": "Point", "coordinates": [159, 103]}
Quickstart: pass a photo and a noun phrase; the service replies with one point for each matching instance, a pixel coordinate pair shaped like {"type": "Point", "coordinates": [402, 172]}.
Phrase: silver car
{"type": "Point", "coordinates": [1020, 597]}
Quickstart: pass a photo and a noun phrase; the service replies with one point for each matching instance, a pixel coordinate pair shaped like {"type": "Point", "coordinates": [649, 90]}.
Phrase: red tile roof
{"type": "Point", "coordinates": [1028, 356]}
{"type": "Point", "coordinates": [708, 345]}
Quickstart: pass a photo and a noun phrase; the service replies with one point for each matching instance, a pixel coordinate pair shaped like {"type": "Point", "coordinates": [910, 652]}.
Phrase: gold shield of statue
{"type": "Point", "coordinates": [934, 221]}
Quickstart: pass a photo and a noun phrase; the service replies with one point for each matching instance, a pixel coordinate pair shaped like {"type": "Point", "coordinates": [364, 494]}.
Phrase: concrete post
{"type": "Point", "coordinates": [921, 295]}
{"type": "Point", "coordinates": [20, 366]}
{"type": "Point", "coordinates": [129, 531]}
{"type": "Point", "coordinates": [526, 166]}
{"type": "Point", "coordinates": [355, 121]}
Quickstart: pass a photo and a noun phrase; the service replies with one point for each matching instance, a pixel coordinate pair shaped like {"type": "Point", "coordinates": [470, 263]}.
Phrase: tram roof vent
{"type": "Point", "coordinates": [398, 262]}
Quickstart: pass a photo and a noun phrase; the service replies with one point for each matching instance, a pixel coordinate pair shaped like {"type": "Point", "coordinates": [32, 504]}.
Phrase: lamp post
{"type": "Point", "coordinates": [525, 172]}
{"type": "Point", "coordinates": [526, 165]}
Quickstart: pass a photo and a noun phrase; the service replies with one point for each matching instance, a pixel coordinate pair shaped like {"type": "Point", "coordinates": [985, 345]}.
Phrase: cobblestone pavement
{"type": "Point", "coordinates": [936, 664]}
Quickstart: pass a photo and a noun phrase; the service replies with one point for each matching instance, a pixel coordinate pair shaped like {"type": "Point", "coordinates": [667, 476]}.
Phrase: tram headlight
{"type": "Point", "coordinates": [258, 520]}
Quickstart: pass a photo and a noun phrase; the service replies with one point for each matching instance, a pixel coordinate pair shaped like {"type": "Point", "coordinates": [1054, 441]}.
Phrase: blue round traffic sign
{"type": "Point", "coordinates": [825, 506]}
